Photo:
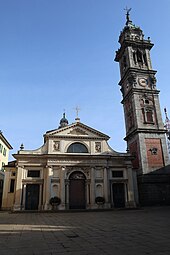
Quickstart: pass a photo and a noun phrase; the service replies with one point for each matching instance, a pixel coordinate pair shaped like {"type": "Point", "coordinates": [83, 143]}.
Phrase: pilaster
{"type": "Point", "coordinates": [131, 196]}
{"type": "Point", "coordinates": [48, 174]}
{"type": "Point", "coordinates": [18, 192]}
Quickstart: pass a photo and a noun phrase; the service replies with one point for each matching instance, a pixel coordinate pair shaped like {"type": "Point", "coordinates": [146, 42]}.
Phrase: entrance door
{"type": "Point", "coordinates": [77, 191]}
{"type": "Point", "coordinates": [118, 195]}
{"type": "Point", "coordinates": [32, 197]}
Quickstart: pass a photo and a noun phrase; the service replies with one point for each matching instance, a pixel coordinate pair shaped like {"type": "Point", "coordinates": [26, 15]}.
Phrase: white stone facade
{"type": "Point", "coordinates": [76, 165]}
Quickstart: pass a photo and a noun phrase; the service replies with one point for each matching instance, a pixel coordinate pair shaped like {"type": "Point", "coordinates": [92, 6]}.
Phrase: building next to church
{"type": "Point", "coordinates": [76, 165]}
{"type": "Point", "coordinates": [145, 132]}
{"type": "Point", "coordinates": [4, 154]}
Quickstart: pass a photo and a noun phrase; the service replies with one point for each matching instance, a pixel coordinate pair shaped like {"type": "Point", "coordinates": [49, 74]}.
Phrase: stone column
{"type": "Point", "coordinates": [62, 187]}
{"type": "Point", "coordinates": [40, 198]}
{"type": "Point", "coordinates": [106, 186]}
{"type": "Point", "coordinates": [18, 192]}
{"type": "Point", "coordinates": [67, 194]}
{"type": "Point", "coordinates": [92, 202]}
{"type": "Point", "coordinates": [48, 187]}
{"type": "Point", "coordinates": [130, 186]}
{"type": "Point", "coordinates": [23, 196]}
{"type": "Point", "coordinates": [88, 193]}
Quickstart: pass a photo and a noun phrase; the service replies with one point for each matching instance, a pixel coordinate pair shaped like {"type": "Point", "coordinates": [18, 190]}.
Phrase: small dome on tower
{"type": "Point", "coordinates": [63, 121]}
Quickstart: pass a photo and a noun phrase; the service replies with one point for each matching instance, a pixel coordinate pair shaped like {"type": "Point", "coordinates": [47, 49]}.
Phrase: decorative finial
{"type": "Point", "coordinates": [127, 14]}
{"type": "Point", "coordinates": [22, 146]}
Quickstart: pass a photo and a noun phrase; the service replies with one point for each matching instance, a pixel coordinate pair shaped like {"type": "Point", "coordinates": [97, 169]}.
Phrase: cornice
{"type": "Point", "coordinates": [2, 137]}
{"type": "Point", "coordinates": [146, 131]}
{"type": "Point", "coordinates": [70, 157]}
{"type": "Point", "coordinates": [76, 137]}
{"type": "Point", "coordinates": [135, 70]}
{"type": "Point", "coordinates": [127, 42]}
{"type": "Point", "coordinates": [139, 91]}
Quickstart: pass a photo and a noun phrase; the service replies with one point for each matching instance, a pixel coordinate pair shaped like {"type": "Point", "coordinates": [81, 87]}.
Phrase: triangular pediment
{"type": "Point", "coordinates": [77, 129]}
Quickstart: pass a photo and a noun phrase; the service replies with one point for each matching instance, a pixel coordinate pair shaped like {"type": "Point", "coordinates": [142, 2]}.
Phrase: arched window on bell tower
{"type": "Point", "coordinates": [139, 57]}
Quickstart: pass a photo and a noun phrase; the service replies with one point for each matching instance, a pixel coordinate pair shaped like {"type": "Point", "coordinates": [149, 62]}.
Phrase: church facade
{"type": "Point", "coordinates": [74, 169]}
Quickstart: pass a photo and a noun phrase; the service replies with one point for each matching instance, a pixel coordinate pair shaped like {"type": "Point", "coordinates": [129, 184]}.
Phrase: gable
{"type": "Point", "coordinates": [77, 130]}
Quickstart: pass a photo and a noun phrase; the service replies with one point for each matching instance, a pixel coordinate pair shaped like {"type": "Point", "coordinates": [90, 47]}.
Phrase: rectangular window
{"type": "Point", "coordinates": [12, 185]}
{"type": "Point", "coordinates": [3, 164]}
{"type": "Point", "coordinates": [149, 116]}
{"type": "Point", "coordinates": [4, 152]}
{"type": "Point", "coordinates": [1, 147]}
{"type": "Point", "coordinates": [1, 185]}
{"type": "Point", "coordinates": [117, 174]}
{"type": "Point", "coordinates": [33, 173]}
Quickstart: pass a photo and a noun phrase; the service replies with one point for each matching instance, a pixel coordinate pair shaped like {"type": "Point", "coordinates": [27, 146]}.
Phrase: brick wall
{"type": "Point", "coordinates": [154, 152]}
{"type": "Point", "coordinates": [133, 148]}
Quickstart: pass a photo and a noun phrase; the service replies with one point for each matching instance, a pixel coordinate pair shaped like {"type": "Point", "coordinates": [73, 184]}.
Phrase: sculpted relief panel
{"type": "Point", "coordinates": [56, 146]}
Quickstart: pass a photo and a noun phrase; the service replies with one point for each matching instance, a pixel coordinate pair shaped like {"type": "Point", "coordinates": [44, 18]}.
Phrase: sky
{"type": "Point", "coordinates": [59, 54]}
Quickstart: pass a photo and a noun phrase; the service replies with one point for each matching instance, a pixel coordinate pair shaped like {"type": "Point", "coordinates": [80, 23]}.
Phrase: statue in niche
{"type": "Point", "coordinates": [153, 81]}
{"type": "Point", "coordinates": [132, 79]}
{"type": "Point", "coordinates": [56, 145]}
{"type": "Point", "coordinates": [98, 147]}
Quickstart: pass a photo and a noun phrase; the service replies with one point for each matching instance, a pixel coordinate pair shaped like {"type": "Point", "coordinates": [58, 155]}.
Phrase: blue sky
{"type": "Point", "coordinates": [58, 54]}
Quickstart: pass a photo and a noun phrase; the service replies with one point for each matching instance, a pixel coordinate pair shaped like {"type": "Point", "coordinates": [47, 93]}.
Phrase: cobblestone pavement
{"type": "Point", "coordinates": [125, 232]}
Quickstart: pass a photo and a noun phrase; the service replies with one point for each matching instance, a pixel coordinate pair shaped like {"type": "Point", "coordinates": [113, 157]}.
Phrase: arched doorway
{"type": "Point", "coordinates": [77, 198]}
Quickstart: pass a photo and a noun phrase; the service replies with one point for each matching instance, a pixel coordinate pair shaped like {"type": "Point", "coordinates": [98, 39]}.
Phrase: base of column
{"type": "Point", "coordinates": [17, 207]}
{"type": "Point", "coordinates": [47, 207]}
{"type": "Point", "coordinates": [131, 204]}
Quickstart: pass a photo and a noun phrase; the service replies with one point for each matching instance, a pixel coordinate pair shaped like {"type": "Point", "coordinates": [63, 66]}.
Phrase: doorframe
{"type": "Point", "coordinates": [125, 191]}
{"type": "Point", "coordinates": [23, 194]}
{"type": "Point", "coordinates": [68, 187]}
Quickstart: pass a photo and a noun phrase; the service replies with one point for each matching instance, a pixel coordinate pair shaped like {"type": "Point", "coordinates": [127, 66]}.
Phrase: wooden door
{"type": "Point", "coordinates": [77, 191]}
{"type": "Point", "coordinates": [118, 195]}
{"type": "Point", "coordinates": [32, 197]}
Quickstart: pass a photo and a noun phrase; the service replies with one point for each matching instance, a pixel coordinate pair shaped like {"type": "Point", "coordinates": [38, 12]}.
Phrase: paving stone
{"type": "Point", "coordinates": [125, 232]}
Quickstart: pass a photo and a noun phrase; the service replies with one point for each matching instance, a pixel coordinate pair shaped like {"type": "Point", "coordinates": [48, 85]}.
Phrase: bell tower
{"type": "Point", "coordinates": [145, 133]}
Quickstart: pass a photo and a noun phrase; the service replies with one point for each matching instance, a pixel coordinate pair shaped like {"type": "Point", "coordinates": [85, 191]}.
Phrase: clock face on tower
{"type": "Point", "coordinates": [143, 82]}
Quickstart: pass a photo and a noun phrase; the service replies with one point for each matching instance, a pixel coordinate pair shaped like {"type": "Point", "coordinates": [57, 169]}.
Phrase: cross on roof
{"type": "Point", "coordinates": [77, 111]}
